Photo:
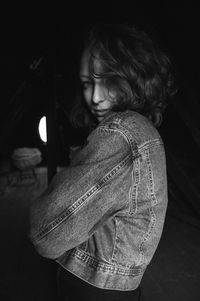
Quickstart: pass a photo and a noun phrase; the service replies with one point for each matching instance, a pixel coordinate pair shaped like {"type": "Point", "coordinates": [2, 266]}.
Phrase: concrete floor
{"type": "Point", "coordinates": [174, 274]}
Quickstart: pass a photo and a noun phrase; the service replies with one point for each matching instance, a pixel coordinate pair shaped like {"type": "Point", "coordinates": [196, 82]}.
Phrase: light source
{"type": "Point", "coordinates": [42, 128]}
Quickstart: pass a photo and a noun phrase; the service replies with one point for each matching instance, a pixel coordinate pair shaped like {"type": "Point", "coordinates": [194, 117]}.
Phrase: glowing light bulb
{"type": "Point", "coordinates": [43, 129]}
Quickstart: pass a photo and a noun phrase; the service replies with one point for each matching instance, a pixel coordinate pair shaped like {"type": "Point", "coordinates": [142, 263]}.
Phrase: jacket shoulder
{"type": "Point", "coordinates": [138, 126]}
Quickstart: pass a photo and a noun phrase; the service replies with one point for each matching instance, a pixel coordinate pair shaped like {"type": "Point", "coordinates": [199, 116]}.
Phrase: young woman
{"type": "Point", "coordinates": [101, 219]}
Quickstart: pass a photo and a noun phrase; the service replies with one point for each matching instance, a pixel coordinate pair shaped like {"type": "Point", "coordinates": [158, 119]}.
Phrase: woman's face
{"type": "Point", "coordinates": [97, 97]}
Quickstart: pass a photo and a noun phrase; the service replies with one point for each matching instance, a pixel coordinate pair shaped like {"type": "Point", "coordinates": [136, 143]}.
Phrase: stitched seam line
{"type": "Point", "coordinates": [147, 144]}
{"type": "Point", "coordinates": [134, 187]}
{"type": "Point", "coordinates": [115, 240]}
{"type": "Point", "coordinates": [81, 201]}
{"type": "Point", "coordinates": [112, 269]}
{"type": "Point", "coordinates": [153, 201]}
{"type": "Point", "coordinates": [126, 134]}
{"type": "Point", "coordinates": [133, 192]}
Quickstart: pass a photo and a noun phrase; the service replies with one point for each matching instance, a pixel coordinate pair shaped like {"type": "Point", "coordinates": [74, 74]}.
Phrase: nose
{"type": "Point", "coordinates": [98, 94]}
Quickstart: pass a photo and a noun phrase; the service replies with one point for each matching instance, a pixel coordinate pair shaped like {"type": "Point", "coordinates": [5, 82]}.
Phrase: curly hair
{"type": "Point", "coordinates": [134, 66]}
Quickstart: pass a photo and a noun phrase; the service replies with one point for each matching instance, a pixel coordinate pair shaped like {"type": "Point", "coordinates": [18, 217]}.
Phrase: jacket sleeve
{"type": "Point", "coordinates": [79, 197]}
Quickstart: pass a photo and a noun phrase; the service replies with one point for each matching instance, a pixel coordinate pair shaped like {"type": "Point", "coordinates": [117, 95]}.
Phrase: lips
{"type": "Point", "coordinates": [99, 112]}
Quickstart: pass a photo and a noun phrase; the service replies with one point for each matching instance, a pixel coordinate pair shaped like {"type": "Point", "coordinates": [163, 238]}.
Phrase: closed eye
{"type": "Point", "coordinates": [86, 84]}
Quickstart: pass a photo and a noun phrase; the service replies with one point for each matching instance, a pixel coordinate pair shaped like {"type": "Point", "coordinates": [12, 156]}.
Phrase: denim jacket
{"type": "Point", "coordinates": [102, 217]}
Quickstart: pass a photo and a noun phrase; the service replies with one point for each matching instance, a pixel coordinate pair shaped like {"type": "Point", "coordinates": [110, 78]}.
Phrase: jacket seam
{"type": "Point", "coordinates": [153, 202]}
{"type": "Point", "coordinates": [133, 193]}
{"type": "Point", "coordinates": [81, 201]}
{"type": "Point", "coordinates": [147, 144]}
{"type": "Point", "coordinates": [116, 127]}
{"type": "Point", "coordinates": [135, 174]}
{"type": "Point", "coordinates": [105, 267]}
{"type": "Point", "coordinates": [115, 241]}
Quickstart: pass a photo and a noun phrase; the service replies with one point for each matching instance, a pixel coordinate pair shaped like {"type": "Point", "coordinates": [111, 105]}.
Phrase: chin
{"type": "Point", "coordinates": [99, 119]}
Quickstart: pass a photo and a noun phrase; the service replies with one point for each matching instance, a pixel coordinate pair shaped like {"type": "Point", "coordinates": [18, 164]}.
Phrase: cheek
{"type": "Point", "coordinates": [112, 93]}
{"type": "Point", "coordinates": [87, 94]}
{"type": "Point", "coordinates": [112, 98]}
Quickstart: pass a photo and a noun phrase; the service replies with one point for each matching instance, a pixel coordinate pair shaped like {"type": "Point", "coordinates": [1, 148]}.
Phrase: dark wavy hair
{"type": "Point", "coordinates": [131, 64]}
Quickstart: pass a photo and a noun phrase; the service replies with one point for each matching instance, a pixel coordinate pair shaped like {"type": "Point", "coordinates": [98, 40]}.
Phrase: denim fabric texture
{"type": "Point", "coordinates": [102, 217]}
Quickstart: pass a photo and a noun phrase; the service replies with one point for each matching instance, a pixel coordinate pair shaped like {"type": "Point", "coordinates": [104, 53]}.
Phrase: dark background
{"type": "Point", "coordinates": [51, 35]}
